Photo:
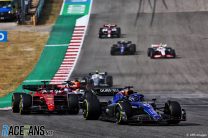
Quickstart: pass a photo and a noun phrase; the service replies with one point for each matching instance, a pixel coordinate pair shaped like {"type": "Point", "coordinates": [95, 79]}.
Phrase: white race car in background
{"type": "Point", "coordinates": [161, 51]}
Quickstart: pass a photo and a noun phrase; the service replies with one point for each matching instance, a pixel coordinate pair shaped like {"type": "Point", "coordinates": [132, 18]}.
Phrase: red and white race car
{"type": "Point", "coordinates": [110, 31]}
{"type": "Point", "coordinates": [161, 51]}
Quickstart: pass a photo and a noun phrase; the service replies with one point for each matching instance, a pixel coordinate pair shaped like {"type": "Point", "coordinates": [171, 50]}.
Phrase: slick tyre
{"type": "Point", "coordinates": [173, 109]}
{"type": "Point", "coordinates": [123, 111]}
{"type": "Point", "coordinates": [16, 102]}
{"type": "Point", "coordinates": [119, 32]}
{"type": "Point", "coordinates": [109, 81]}
{"type": "Point", "coordinates": [25, 104]}
{"type": "Point", "coordinates": [91, 108]}
{"type": "Point", "coordinates": [73, 104]}
{"type": "Point", "coordinates": [132, 49]}
{"type": "Point", "coordinates": [149, 52]}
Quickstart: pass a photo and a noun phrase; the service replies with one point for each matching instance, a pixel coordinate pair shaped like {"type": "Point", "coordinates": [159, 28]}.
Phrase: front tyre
{"type": "Point", "coordinates": [91, 108]}
{"type": "Point", "coordinates": [123, 111]}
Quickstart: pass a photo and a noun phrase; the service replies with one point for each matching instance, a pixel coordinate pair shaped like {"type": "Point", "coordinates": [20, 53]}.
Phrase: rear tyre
{"type": "Point", "coordinates": [109, 81]}
{"type": "Point", "coordinates": [173, 109]}
{"type": "Point", "coordinates": [132, 49]}
{"type": "Point", "coordinates": [174, 53]}
{"type": "Point", "coordinates": [15, 102]}
{"type": "Point", "coordinates": [149, 52]}
{"type": "Point", "coordinates": [100, 33]}
{"type": "Point", "coordinates": [123, 112]}
{"type": "Point", "coordinates": [25, 104]}
{"type": "Point", "coordinates": [119, 32]}
{"type": "Point", "coordinates": [113, 49]}
{"type": "Point", "coordinates": [91, 108]}
{"type": "Point", "coordinates": [73, 104]}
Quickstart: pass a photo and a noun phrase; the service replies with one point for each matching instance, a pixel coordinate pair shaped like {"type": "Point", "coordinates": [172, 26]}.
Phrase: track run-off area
{"type": "Point", "coordinates": [181, 24]}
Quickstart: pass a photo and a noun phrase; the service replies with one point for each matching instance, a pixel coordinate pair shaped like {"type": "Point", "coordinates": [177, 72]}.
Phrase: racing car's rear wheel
{"type": "Point", "coordinates": [73, 104]}
{"type": "Point", "coordinates": [173, 53]}
{"type": "Point", "coordinates": [173, 109]}
{"type": "Point", "coordinates": [113, 49]}
{"type": "Point", "coordinates": [15, 102]}
{"type": "Point", "coordinates": [119, 32]}
{"type": "Point", "coordinates": [109, 81]}
{"type": "Point", "coordinates": [123, 112]}
{"type": "Point", "coordinates": [149, 51]}
{"type": "Point", "coordinates": [133, 49]}
{"type": "Point", "coordinates": [25, 104]}
{"type": "Point", "coordinates": [91, 107]}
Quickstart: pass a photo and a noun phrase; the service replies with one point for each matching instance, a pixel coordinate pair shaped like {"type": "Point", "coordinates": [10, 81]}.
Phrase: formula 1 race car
{"type": "Point", "coordinates": [110, 31]}
{"type": "Point", "coordinates": [128, 106]}
{"type": "Point", "coordinates": [123, 48]}
{"type": "Point", "coordinates": [45, 98]}
{"type": "Point", "coordinates": [161, 51]}
{"type": "Point", "coordinates": [98, 79]}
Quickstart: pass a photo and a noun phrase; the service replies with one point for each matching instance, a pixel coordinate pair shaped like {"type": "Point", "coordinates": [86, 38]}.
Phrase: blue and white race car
{"type": "Point", "coordinates": [123, 48]}
{"type": "Point", "coordinates": [128, 106]}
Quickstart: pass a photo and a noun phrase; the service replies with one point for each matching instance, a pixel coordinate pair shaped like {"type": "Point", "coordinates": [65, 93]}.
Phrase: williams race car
{"type": "Point", "coordinates": [110, 31]}
{"type": "Point", "coordinates": [161, 51]}
{"type": "Point", "coordinates": [128, 106]}
{"type": "Point", "coordinates": [45, 98]}
{"type": "Point", "coordinates": [98, 79]}
{"type": "Point", "coordinates": [123, 48]}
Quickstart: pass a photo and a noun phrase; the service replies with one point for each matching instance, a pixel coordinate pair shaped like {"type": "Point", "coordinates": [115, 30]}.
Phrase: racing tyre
{"type": "Point", "coordinates": [149, 52]}
{"type": "Point", "coordinates": [16, 102]}
{"type": "Point", "coordinates": [109, 81]}
{"type": "Point", "coordinates": [123, 112]}
{"type": "Point", "coordinates": [91, 108]}
{"type": "Point", "coordinates": [113, 50]}
{"type": "Point", "coordinates": [119, 32]}
{"type": "Point", "coordinates": [73, 104]}
{"type": "Point", "coordinates": [152, 54]}
{"type": "Point", "coordinates": [25, 104]}
{"type": "Point", "coordinates": [100, 33]}
{"type": "Point", "coordinates": [132, 49]}
{"type": "Point", "coordinates": [174, 53]}
{"type": "Point", "coordinates": [173, 109]}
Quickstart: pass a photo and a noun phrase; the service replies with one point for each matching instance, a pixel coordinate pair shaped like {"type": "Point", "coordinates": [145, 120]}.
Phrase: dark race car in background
{"type": "Point", "coordinates": [98, 79]}
{"type": "Point", "coordinates": [132, 108]}
{"type": "Point", "coordinates": [123, 48]}
{"type": "Point", "coordinates": [45, 98]}
{"type": "Point", "coordinates": [161, 51]}
{"type": "Point", "coordinates": [110, 31]}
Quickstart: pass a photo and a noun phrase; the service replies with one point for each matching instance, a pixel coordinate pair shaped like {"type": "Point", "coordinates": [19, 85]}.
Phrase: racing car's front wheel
{"type": "Point", "coordinates": [173, 109]}
{"type": "Point", "coordinates": [91, 107]}
{"type": "Point", "coordinates": [123, 112]}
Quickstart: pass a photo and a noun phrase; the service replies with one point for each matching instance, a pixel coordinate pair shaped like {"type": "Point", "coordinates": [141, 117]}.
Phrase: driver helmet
{"type": "Point", "coordinates": [128, 92]}
{"type": "Point", "coordinates": [96, 72]}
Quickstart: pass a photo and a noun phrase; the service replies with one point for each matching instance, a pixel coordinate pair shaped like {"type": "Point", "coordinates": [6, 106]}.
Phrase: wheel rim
{"type": "Point", "coordinates": [118, 115]}
{"type": "Point", "coordinates": [85, 109]}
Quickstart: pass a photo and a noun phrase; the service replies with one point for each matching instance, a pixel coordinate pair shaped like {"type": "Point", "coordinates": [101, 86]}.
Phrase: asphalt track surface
{"type": "Point", "coordinates": [184, 79]}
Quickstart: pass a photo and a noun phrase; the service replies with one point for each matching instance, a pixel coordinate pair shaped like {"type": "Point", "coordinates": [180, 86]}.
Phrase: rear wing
{"type": "Point", "coordinates": [158, 45]}
{"type": "Point", "coordinates": [38, 87]}
{"type": "Point", "coordinates": [106, 91]}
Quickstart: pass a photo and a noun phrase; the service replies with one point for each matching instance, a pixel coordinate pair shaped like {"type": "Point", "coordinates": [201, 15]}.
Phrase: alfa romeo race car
{"type": "Point", "coordinates": [128, 106]}
{"type": "Point", "coordinates": [98, 79]}
{"type": "Point", "coordinates": [110, 31]}
{"type": "Point", "coordinates": [45, 98]}
{"type": "Point", "coordinates": [123, 48]}
{"type": "Point", "coordinates": [161, 51]}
